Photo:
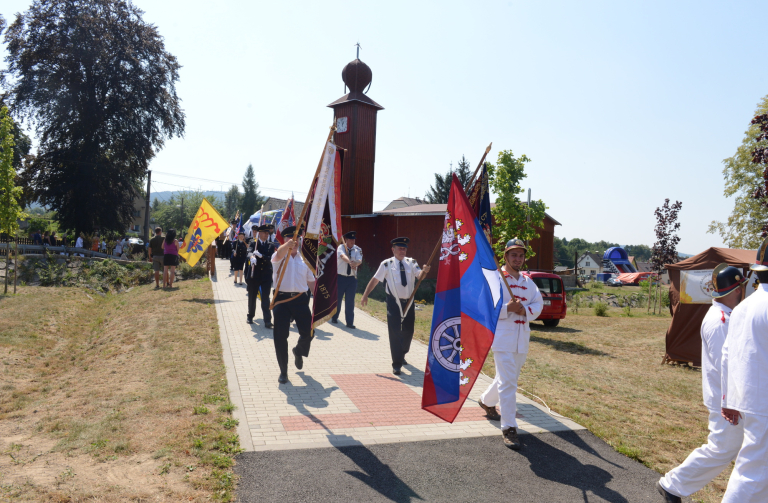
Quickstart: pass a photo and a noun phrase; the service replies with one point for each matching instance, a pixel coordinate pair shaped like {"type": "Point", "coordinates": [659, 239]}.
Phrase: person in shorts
{"type": "Point", "coordinates": [156, 253]}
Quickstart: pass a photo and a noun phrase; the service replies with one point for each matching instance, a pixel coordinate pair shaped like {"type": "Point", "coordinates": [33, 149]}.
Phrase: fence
{"type": "Point", "coordinates": [30, 249]}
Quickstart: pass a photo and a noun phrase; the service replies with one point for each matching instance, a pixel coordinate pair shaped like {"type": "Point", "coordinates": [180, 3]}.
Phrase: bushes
{"type": "Point", "coordinates": [101, 275]}
{"type": "Point", "coordinates": [601, 309]}
{"type": "Point", "coordinates": [184, 271]}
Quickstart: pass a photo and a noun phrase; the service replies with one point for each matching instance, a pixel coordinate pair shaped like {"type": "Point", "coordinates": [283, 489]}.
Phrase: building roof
{"type": "Point", "coordinates": [430, 209]}
{"type": "Point", "coordinates": [402, 202]}
{"type": "Point", "coordinates": [644, 267]}
{"type": "Point", "coordinates": [597, 259]}
{"type": "Point", "coordinates": [356, 96]}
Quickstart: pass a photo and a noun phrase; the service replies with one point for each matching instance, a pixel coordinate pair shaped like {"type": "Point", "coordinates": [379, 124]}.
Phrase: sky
{"type": "Point", "coordinates": [619, 105]}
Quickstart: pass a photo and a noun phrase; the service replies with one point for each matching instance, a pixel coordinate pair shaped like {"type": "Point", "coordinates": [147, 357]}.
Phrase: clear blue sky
{"type": "Point", "coordinates": [618, 104]}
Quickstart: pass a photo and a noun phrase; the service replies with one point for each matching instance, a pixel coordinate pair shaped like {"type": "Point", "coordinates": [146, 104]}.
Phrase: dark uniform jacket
{"type": "Point", "coordinates": [262, 270]}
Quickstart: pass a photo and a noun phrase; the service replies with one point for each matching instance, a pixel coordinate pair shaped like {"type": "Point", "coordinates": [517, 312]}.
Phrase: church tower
{"type": "Point", "coordinates": [355, 119]}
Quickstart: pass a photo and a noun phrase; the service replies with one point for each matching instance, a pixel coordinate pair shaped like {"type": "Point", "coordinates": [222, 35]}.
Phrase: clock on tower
{"type": "Point", "coordinates": [341, 124]}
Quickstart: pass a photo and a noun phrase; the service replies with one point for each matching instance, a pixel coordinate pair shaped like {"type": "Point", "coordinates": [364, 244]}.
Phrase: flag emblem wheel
{"type": "Point", "coordinates": [446, 344]}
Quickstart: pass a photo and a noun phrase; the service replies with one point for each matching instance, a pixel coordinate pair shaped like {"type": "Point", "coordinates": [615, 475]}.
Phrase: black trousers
{"type": "Point", "coordinates": [347, 286]}
{"type": "Point", "coordinates": [400, 332]}
{"type": "Point", "coordinates": [298, 309]}
{"type": "Point", "coordinates": [254, 285]}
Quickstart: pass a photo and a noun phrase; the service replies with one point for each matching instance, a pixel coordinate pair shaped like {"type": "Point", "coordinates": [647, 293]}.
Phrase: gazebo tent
{"type": "Point", "coordinates": [684, 333]}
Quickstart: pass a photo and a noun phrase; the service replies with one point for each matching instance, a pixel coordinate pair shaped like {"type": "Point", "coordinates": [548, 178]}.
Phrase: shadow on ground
{"type": "Point", "coordinates": [552, 467]}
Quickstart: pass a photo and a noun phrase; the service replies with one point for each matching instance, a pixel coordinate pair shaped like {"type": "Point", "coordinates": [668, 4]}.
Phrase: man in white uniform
{"type": "Point", "coordinates": [399, 275]}
{"type": "Point", "coordinates": [724, 441]}
{"type": "Point", "coordinates": [745, 389]}
{"type": "Point", "coordinates": [350, 256]}
{"type": "Point", "coordinates": [510, 342]}
{"type": "Point", "coordinates": [291, 302]}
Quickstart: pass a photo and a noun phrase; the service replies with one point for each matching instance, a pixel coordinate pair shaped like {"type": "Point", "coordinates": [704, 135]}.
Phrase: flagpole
{"type": "Point", "coordinates": [440, 242]}
{"type": "Point", "coordinates": [281, 268]}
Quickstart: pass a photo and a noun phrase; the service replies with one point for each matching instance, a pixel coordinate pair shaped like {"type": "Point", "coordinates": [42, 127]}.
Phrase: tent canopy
{"type": "Point", "coordinates": [684, 332]}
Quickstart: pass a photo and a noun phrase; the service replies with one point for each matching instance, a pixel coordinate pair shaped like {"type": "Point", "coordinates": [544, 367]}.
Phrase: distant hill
{"type": "Point", "coordinates": [165, 195]}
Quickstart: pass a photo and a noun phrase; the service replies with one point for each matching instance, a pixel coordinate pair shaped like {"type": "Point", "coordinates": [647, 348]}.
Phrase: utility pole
{"type": "Point", "coordinates": [146, 208]}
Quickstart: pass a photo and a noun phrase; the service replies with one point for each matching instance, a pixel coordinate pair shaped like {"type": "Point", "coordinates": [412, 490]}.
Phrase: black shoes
{"type": "Point", "coordinates": [490, 412]}
{"type": "Point", "coordinates": [282, 379]}
{"type": "Point", "coordinates": [404, 362]}
{"type": "Point", "coordinates": [351, 326]}
{"type": "Point", "coordinates": [668, 497]}
{"type": "Point", "coordinates": [269, 325]}
{"type": "Point", "coordinates": [334, 320]}
{"type": "Point", "coordinates": [298, 360]}
{"type": "Point", "coordinates": [396, 371]}
{"type": "Point", "coordinates": [250, 321]}
{"type": "Point", "coordinates": [510, 438]}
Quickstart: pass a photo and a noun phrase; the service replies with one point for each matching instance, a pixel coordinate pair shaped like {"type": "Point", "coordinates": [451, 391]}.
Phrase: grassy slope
{"type": "Point", "coordinates": [605, 373]}
{"type": "Point", "coordinates": [118, 397]}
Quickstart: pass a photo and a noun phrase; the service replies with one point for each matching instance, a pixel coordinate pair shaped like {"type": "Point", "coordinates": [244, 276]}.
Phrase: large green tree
{"type": "Point", "coordinates": [438, 193]}
{"type": "Point", "coordinates": [99, 87]}
{"type": "Point", "coordinates": [232, 200]}
{"type": "Point", "coordinates": [10, 209]}
{"type": "Point", "coordinates": [744, 226]}
{"type": "Point", "coordinates": [513, 218]}
{"type": "Point", "coordinates": [252, 199]}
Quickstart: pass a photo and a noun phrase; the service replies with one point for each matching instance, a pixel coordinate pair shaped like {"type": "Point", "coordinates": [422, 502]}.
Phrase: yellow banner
{"type": "Point", "coordinates": [206, 226]}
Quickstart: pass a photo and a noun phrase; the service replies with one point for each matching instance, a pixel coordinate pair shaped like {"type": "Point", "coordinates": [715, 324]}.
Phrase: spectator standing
{"type": "Point", "coordinates": [46, 241]}
{"type": "Point", "coordinates": [170, 258]}
{"type": "Point", "coordinates": [156, 253]}
{"type": "Point", "coordinates": [37, 239]}
{"type": "Point", "coordinates": [52, 239]}
{"type": "Point", "coordinates": [118, 249]}
{"type": "Point", "coordinates": [95, 243]}
{"type": "Point", "coordinates": [80, 243]}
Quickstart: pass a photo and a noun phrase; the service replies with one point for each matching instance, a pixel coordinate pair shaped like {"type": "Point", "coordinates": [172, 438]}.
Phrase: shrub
{"type": "Point", "coordinates": [601, 309]}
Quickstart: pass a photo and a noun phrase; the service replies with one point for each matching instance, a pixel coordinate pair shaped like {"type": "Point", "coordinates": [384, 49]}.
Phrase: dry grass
{"type": "Point", "coordinates": [113, 399]}
{"type": "Point", "coordinates": [605, 373]}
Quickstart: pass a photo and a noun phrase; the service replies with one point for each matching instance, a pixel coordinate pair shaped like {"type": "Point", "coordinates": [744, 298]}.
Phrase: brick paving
{"type": "Point", "coordinates": [346, 393]}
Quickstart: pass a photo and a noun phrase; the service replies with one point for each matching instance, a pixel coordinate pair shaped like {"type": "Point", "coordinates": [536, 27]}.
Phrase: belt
{"type": "Point", "coordinates": [288, 294]}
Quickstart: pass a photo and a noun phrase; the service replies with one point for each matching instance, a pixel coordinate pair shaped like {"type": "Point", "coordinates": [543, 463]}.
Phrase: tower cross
{"type": "Point", "coordinates": [358, 49]}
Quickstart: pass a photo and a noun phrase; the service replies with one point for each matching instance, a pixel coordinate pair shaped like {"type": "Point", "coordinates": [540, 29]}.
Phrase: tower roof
{"type": "Point", "coordinates": [356, 76]}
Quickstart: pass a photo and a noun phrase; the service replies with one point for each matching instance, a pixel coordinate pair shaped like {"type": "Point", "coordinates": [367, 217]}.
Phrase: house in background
{"type": "Point", "coordinates": [402, 202]}
{"type": "Point", "coordinates": [274, 203]}
{"type": "Point", "coordinates": [137, 217]}
{"type": "Point", "coordinates": [591, 264]}
{"type": "Point", "coordinates": [647, 267]}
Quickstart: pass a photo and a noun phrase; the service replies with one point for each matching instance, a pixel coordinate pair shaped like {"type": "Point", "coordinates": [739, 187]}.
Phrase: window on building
{"type": "Point", "coordinates": [135, 228]}
{"type": "Point", "coordinates": [136, 213]}
{"type": "Point", "coordinates": [587, 264]}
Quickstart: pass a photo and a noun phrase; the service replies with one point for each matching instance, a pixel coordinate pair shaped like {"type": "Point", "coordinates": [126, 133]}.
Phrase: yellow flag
{"type": "Point", "coordinates": [206, 226]}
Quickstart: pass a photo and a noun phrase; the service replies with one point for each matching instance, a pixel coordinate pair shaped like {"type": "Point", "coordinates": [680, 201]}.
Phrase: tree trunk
{"type": "Point", "coordinates": [7, 262]}
{"type": "Point", "coordinates": [15, 261]}
{"type": "Point", "coordinates": [650, 285]}
{"type": "Point", "coordinates": [655, 298]}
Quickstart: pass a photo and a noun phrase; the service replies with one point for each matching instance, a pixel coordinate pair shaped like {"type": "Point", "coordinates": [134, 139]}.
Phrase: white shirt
{"type": "Point", "coordinates": [744, 364]}
{"type": "Point", "coordinates": [714, 329]}
{"type": "Point", "coordinates": [389, 270]}
{"type": "Point", "coordinates": [355, 254]}
{"type": "Point", "coordinates": [79, 242]}
{"type": "Point", "coordinates": [512, 331]}
{"type": "Point", "coordinates": [297, 275]}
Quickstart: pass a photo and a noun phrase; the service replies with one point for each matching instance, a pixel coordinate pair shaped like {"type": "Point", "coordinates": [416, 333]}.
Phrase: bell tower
{"type": "Point", "coordinates": [355, 118]}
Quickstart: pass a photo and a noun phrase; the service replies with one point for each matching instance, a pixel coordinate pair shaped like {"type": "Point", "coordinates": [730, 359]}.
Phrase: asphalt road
{"type": "Point", "coordinates": [551, 467]}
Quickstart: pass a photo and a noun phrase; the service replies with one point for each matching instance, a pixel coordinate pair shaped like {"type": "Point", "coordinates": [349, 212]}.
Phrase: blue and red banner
{"type": "Point", "coordinates": [468, 301]}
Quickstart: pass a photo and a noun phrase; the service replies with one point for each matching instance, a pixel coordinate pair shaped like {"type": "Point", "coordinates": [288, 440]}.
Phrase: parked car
{"type": "Point", "coordinates": [553, 295]}
{"type": "Point", "coordinates": [614, 282]}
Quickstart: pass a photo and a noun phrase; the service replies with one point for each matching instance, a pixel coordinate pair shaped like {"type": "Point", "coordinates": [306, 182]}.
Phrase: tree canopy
{"type": "Point", "coordinates": [232, 200]}
{"type": "Point", "coordinates": [665, 247]}
{"type": "Point", "coordinates": [252, 199]}
{"type": "Point", "coordinates": [566, 249]}
{"type": "Point", "coordinates": [10, 209]}
{"type": "Point", "coordinates": [178, 211]}
{"type": "Point", "coordinates": [99, 87]}
{"type": "Point", "coordinates": [513, 217]}
{"type": "Point", "coordinates": [744, 226]}
{"type": "Point", "coordinates": [438, 193]}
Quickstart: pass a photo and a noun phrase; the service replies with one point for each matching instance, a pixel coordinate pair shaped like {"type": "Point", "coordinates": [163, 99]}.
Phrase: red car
{"type": "Point", "coordinates": [553, 293]}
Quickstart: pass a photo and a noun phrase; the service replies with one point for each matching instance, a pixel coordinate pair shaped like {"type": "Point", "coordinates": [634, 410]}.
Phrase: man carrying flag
{"type": "Point", "coordinates": [468, 300]}
{"type": "Point", "coordinates": [510, 343]}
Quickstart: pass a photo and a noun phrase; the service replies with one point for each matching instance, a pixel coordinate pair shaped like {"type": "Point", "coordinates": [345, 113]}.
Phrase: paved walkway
{"type": "Point", "coordinates": [346, 393]}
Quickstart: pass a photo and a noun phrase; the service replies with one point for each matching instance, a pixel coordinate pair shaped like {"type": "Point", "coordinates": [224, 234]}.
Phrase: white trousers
{"type": "Point", "coordinates": [749, 480]}
{"type": "Point", "coordinates": [706, 462]}
{"type": "Point", "coordinates": [503, 389]}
